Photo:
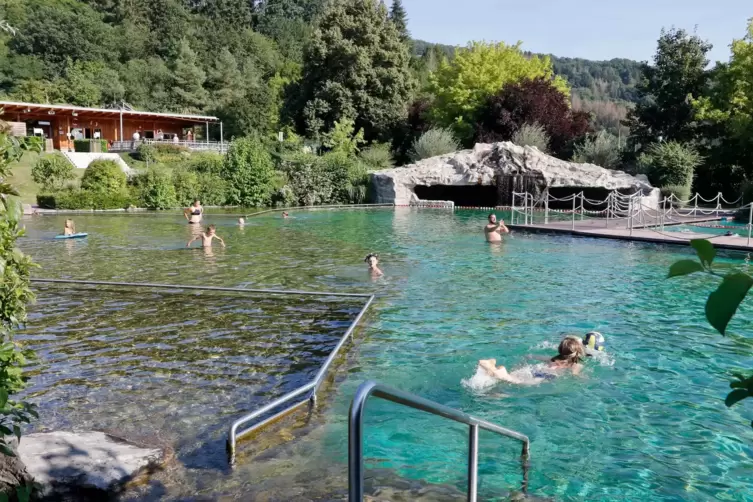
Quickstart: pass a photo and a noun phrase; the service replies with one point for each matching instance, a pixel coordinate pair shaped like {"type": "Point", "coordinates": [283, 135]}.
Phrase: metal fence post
{"type": "Point", "coordinates": [546, 206]}
{"type": "Point", "coordinates": [574, 197]}
{"type": "Point", "coordinates": [630, 215]}
{"type": "Point", "coordinates": [695, 207]}
{"type": "Point", "coordinates": [525, 208]}
{"type": "Point", "coordinates": [582, 200]}
{"type": "Point", "coordinates": [750, 221]}
{"type": "Point", "coordinates": [473, 463]}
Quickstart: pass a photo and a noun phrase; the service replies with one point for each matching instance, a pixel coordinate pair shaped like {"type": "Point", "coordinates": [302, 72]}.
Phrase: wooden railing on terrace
{"type": "Point", "coordinates": [197, 146]}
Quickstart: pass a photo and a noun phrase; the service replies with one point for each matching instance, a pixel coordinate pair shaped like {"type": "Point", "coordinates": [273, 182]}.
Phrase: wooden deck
{"type": "Point", "coordinates": [648, 231]}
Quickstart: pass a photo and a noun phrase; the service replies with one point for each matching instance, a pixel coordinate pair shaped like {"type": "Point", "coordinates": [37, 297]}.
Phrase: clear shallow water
{"type": "Point", "coordinates": [647, 423]}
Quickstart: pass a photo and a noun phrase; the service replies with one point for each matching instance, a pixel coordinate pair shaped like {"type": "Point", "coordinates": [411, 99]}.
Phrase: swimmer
{"type": "Point", "coordinates": [285, 214]}
{"type": "Point", "coordinates": [373, 260]}
{"type": "Point", "coordinates": [69, 228]}
{"type": "Point", "coordinates": [241, 221]}
{"type": "Point", "coordinates": [207, 237]}
{"type": "Point", "coordinates": [495, 230]}
{"type": "Point", "coordinates": [570, 354]}
{"type": "Point", "coordinates": [194, 213]}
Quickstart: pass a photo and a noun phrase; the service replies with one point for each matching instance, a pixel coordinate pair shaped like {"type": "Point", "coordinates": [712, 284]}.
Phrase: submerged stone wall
{"type": "Point", "coordinates": [509, 168]}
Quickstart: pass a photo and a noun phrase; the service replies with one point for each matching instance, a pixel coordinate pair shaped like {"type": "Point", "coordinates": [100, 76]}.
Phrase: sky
{"type": "Point", "coordinates": [590, 29]}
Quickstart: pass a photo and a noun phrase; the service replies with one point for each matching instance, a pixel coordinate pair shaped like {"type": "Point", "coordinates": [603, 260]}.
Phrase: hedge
{"type": "Point", "coordinates": [84, 199]}
{"type": "Point", "coordinates": [84, 145]}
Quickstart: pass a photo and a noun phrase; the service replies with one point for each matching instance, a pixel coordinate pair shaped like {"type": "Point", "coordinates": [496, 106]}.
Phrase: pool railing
{"type": "Point", "coordinates": [308, 390]}
{"type": "Point", "coordinates": [355, 435]}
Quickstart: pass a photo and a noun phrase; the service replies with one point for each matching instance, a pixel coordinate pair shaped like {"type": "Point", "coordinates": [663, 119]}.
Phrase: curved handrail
{"type": "Point", "coordinates": [355, 434]}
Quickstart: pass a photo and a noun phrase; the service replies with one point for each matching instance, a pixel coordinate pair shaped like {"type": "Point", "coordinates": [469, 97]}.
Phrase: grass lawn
{"type": "Point", "coordinates": [20, 177]}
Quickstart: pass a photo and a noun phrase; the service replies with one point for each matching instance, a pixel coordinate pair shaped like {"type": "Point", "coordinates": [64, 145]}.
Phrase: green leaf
{"type": "Point", "coordinates": [17, 432]}
{"type": "Point", "coordinates": [722, 303]}
{"type": "Point", "coordinates": [7, 450]}
{"type": "Point", "coordinates": [3, 397]}
{"type": "Point", "coordinates": [736, 396]}
{"type": "Point", "coordinates": [705, 251]}
{"type": "Point", "coordinates": [6, 430]}
{"type": "Point", "coordinates": [684, 267]}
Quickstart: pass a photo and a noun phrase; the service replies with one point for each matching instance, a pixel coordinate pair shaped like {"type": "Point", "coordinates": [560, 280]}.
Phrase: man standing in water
{"type": "Point", "coordinates": [495, 230]}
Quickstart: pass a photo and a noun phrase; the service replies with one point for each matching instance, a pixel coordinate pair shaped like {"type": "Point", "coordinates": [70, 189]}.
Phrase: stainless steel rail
{"type": "Point", "coordinates": [308, 389]}
{"type": "Point", "coordinates": [355, 434]}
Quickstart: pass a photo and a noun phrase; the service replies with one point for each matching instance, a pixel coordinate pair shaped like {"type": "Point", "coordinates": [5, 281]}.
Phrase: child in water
{"type": "Point", "coordinates": [570, 353]}
{"type": "Point", "coordinates": [241, 221]}
{"type": "Point", "coordinates": [373, 260]}
{"type": "Point", "coordinates": [69, 228]}
{"type": "Point", "coordinates": [207, 237]}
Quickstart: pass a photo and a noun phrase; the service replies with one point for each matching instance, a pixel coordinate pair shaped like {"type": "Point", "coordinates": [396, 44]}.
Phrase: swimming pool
{"type": "Point", "coordinates": [740, 229]}
{"type": "Point", "coordinates": [647, 423]}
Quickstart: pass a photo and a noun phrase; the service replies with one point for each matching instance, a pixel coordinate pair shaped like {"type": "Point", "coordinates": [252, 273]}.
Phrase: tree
{"type": "Point", "coordinates": [670, 165]}
{"type": "Point", "coordinates": [462, 85]}
{"type": "Point", "coordinates": [343, 137]}
{"type": "Point", "coordinates": [249, 171]}
{"type": "Point", "coordinates": [532, 101]}
{"type": "Point", "coordinates": [601, 149]}
{"type": "Point", "coordinates": [399, 18]}
{"type": "Point", "coordinates": [665, 109]}
{"type": "Point", "coordinates": [187, 93]}
{"type": "Point", "coordinates": [355, 66]}
{"type": "Point", "coordinates": [224, 79]}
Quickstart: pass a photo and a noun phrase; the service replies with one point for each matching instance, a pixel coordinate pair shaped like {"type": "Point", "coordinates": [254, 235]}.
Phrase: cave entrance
{"type": "Point", "coordinates": [593, 193]}
{"type": "Point", "coordinates": [461, 195]}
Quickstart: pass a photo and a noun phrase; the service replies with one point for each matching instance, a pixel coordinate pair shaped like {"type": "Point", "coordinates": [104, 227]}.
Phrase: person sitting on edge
{"type": "Point", "coordinates": [570, 353]}
{"type": "Point", "coordinates": [69, 228]}
{"type": "Point", "coordinates": [373, 260]}
{"type": "Point", "coordinates": [194, 213]}
{"type": "Point", "coordinates": [207, 237]}
{"type": "Point", "coordinates": [493, 230]}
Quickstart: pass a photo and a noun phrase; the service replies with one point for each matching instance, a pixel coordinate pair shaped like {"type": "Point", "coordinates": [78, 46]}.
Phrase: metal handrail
{"type": "Point", "coordinates": [355, 434]}
{"type": "Point", "coordinates": [313, 386]}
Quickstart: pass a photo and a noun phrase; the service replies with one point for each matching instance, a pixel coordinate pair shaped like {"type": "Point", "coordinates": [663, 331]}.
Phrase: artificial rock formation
{"type": "Point", "coordinates": [508, 167]}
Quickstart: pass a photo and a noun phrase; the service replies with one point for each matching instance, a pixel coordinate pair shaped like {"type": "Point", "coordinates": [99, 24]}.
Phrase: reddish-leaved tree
{"type": "Point", "coordinates": [535, 101]}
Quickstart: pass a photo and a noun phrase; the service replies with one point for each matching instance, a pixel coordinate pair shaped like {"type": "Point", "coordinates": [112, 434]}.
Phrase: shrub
{"type": "Point", "coordinates": [343, 137]}
{"type": "Point", "coordinates": [104, 176]}
{"type": "Point", "coordinates": [249, 172]}
{"type": "Point", "coordinates": [205, 162]}
{"type": "Point", "coordinates": [602, 150]}
{"type": "Point", "coordinates": [161, 152]}
{"type": "Point", "coordinates": [433, 142]}
{"type": "Point", "coordinates": [670, 163]}
{"type": "Point", "coordinates": [186, 185]}
{"type": "Point", "coordinates": [85, 145]}
{"type": "Point", "coordinates": [532, 135]}
{"type": "Point", "coordinates": [308, 179]}
{"type": "Point", "coordinates": [52, 171]}
{"type": "Point", "coordinates": [377, 156]}
{"type": "Point", "coordinates": [212, 189]}
{"type": "Point", "coordinates": [146, 152]}
{"type": "Point", "coordinates": [155, 188]}
{"type": "Point", "coordinates": [681, 192]}
{"type": "Point", "coordinates": [284, 197]}
{"type": "Point", "coordinates": [85, 199]}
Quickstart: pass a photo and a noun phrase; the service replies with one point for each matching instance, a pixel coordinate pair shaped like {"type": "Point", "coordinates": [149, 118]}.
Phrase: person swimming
{"type": "Point", "coordinates": [285, 214]}
{"type": "Point", "coordinates": [194, 213]}
{"type": "Point", "coordinates": [69, 228]}
{"type": "Point", "coordinates": [568, 359]}
{"type": "Point", "coordinates": [241, 221]}
{"type": "Point", "coordinates": [494, 229]}
{"type": "Point", "coordinates": [207, 237]}
{"type": "Point", "coordinates": [373, 260]}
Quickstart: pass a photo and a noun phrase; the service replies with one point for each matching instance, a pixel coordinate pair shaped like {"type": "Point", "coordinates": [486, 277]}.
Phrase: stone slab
{"type": "Point", "coordinates": [84, 459]}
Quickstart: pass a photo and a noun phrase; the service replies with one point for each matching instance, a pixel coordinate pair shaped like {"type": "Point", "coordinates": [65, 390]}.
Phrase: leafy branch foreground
{"type": "Point", "coordinates": [721, 305]}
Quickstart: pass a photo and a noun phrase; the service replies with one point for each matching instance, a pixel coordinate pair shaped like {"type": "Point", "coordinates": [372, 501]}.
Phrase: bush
{"type": "Point", "coordinates": [682, 192]}
{"type": "Point", "coordinates": [308, 180]}
{"type": "Point", "coordinates": [212, 189]}
{"type": "Point", "coordinates": [205, 163]}
{"type": "Point", "coordinates": [161, 152]}
{"type": "Point", "coordinates": [532, 135]}
{"type": "Point", "coordinates": [602, 150]}
{"type": "Point", "coordinates": [146, 152]}
{"type": "Point", "coordinates": [85, 199]}
{"type": "Point", "coordinates": [104, 176]}
{"type": "Point", "coordinates": [377, 156]}
{"type": "Point", "coordinates": [284, 197]}
{"type": "Point", "coordinates": [186, 185]}
{"type": "Point", "coordinates": [249, 172]}
{"type": "Point", "coordinates": [432, 143]}
{"type": "Point", "coordinates": [670, 163]}
{"type": "Point", "coordinates": [52, 171]}
{"type": "Point", "coordinates": [155, 189]}
{"type": "Point", "coordinates": [85, 145]}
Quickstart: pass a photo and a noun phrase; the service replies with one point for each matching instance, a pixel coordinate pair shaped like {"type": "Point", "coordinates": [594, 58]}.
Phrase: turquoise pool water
{"type": "Point", "coordinates": [646, 423]}
{"type": "Point", "coordinates": [740, 229]}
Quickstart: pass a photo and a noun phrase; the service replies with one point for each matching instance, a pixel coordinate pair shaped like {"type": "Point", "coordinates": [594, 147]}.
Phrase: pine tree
{"type": "Point", "coordinates": [187, 93]}
{"type": "Point", "coordinates": [224, 79]}
{"type": "Point", "coordinates": [399, 18]}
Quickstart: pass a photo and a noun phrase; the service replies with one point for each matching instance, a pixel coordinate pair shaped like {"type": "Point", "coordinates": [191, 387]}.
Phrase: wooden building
{"type": "Point", "coordinates": [61, 124]}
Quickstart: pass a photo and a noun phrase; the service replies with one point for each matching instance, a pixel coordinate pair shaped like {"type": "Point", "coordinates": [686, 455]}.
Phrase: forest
{"type": "Point", "coordinates": [345, 77]}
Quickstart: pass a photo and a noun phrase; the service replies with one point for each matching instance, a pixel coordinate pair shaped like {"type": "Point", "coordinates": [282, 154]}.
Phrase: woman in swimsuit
{"type": "Point", "coordinates": [194, 213]}
{"type": "Point", "coordinates": [570, 353]}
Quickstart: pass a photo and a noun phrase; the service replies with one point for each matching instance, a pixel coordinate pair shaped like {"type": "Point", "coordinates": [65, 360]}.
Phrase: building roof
{"type": "Point", "coordinates": [19, 107]}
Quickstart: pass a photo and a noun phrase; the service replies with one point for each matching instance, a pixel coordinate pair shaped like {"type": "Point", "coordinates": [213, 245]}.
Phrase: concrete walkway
{"type": "Point", "coordinates": [648, 231]}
